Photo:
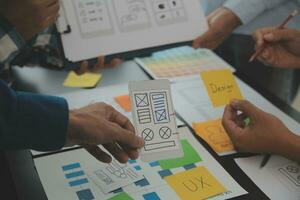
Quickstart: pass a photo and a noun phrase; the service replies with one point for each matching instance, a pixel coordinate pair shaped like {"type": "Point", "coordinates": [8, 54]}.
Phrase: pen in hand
{"type": "Point", "coordinates": [281, 26]}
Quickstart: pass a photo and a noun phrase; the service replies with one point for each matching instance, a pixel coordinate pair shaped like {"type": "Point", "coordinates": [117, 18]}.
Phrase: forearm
{"type": "Point", "coordinates": [248, 10]}
{"type": "Point", "coordinates": [32, 121]}
{"type": "Point", "coordinates": [291, 148]}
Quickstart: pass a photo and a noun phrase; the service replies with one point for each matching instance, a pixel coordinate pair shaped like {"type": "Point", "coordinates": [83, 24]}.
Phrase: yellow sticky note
{"type": "Point", "coordinates": [124, 102]}
{"type": "Point", "coordinates": [84, 81]}
{"type": "Point", "coordinates": [221, 86]}
{"type": "Point", "coordinates": [195, 184]}
{"type": "Point", "coordinates": [215, 135]}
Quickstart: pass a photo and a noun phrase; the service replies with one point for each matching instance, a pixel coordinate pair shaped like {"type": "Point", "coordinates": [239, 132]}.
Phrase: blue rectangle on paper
{"type": "Point", "coordinates": [151, 196]}
{"type": "Point", "coordinates": [138, 168]}
{"type": "Point", "coordinates": [132, 161]}
{"type": "Point", "coordinates": [71, 166]}
{"type": "Point", "coordinates": [165, 173]}
{"type": "Point", "coordinates": [78, 182]}
{"type": "Point", "coordinates": [190, 166]}
{"type": "Point", "coordinates": [154, 164]}
{"type": "Point", "coordinates": [74, 174]}
{"type": "Point", "coordinates": [85, 195]}
{"type": "Point", "coordinates": [142, 183]}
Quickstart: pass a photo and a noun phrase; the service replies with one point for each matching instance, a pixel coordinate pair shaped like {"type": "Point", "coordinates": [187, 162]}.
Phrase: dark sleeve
{"type": "Point", "coordinates": [32, 121]}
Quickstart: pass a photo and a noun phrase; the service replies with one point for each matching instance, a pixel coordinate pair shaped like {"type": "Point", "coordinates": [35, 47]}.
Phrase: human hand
{"type": "Point", "coordinates": [221, 24]}
{"type": "Point", "coordinates": [265, 133]}
{"type": "Point", "coordinates": [30, 16]}
{"type": "Point", "coordinates": [102, 124]}
{"type": "Point", "coordinates": [84, 67]}
{"type": "Point", "coordinates": [282, 47]}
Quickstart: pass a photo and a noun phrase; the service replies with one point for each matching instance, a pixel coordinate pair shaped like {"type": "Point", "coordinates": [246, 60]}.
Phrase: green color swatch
{"type": "Point", "coordinates": [122, 196]}
{"type": "Point", "coordinates": [190, 156]}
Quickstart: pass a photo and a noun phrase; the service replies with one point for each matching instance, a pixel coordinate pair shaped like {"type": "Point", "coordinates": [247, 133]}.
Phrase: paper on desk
{"type": "Point", "coordinates": [86, 80]}
{"type": "Point", "coordinates": [132, 25]}
{"type": "Point", "coordinates": [215, 135]}
{"type": "Point", "coordinates": [64, 181]}
{"type": "Point", "coordinates": [112, 176]}
{"type": "Point", "coordinates": [221, 86]}
{"type": "Point", "coordinates": [181, 63]}
{"type": "Point", "coordinates": [279, 179]}
{"type": "Point", "coordinates": [194, 184]}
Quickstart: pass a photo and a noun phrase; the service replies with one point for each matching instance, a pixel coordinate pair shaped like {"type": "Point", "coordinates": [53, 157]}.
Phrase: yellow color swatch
{"type": "Point", "coordinates": [86, 80]}
{"type": "Point", "coordinates": [215, 135]}
{"type": "Point", "coordinates": [124, 102]}
{"type": "Point", "coordinates": [221, 86]}
{"type": "Point", "coordinates": [195, 184]}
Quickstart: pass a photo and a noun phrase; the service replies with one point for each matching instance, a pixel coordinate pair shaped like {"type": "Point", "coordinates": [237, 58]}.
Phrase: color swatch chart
{"type": "Point", "coordinates": [181, 62]}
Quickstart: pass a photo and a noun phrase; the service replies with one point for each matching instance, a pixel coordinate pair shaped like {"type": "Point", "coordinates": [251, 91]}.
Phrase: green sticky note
{"type": "Point", "coordinates": [121, 196]}
{"type": "Point", "coordinates": [247, 121]}
{"type": "Point", "coordinates": [190, 156]}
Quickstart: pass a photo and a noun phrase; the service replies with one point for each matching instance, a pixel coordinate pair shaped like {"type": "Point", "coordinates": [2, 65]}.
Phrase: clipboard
{"type": "Point", "coordinates": [65, 27]}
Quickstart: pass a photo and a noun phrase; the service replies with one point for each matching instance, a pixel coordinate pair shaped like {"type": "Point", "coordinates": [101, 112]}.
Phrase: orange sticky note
{"type": "Point", "coordinates": [124, 102]}
{"type": "Point", "coordinates": [195, 184]}
{"type": "Point", "coordinates": [221, 86]}
{"type": "Point", "coordinates": [215, 135]}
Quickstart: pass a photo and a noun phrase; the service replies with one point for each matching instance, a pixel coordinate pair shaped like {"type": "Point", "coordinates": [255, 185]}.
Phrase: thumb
{"type": "Point", "coordinates": [279, 35]}
{"type": "Point", "coordinates": [246, 107]}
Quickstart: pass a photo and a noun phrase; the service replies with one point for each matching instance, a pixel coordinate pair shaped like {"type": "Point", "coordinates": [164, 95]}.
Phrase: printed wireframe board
{"type": "Point", "coordinates": [112, 176]}
{"type": "Point", "coordinates": [94, 25]}
{"type": "Point", "coordinates": [154, 119]}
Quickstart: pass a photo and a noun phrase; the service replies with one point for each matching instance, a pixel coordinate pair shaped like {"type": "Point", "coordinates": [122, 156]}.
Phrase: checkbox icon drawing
{"type": "Point", "coordinates": [141, 100]}
{"type": "Point", "coordinates": [161, 115]}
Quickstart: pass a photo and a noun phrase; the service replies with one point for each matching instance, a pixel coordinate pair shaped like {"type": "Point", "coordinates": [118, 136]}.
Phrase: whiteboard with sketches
{"type": "Point", "coordinates": [105, 27]}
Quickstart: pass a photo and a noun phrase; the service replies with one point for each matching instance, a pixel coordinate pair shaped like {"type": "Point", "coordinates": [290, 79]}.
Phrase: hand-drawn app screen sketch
{"type": "Point", "coordinates": [155, 120]}
{"type": "Point", "coordinates": [169, 11]}
{"type": "Point", "coordinates": [93, 18]}
{"type": "Point", "coordinates": [132, 15]}
{"type": "Point", "coordinates": [289, 175]}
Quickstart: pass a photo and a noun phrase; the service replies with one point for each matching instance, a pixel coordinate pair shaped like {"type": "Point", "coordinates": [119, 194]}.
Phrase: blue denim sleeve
{"type": "Point", "coordinates": [32, 121]}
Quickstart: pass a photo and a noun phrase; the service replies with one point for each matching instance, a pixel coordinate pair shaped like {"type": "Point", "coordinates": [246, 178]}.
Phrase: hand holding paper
{"type": "Point", "coordinates": [102, 124]}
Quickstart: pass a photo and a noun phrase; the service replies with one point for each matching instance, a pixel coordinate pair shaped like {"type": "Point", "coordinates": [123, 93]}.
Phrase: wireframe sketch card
{"type": "Point", "coordinates": [155, 120]}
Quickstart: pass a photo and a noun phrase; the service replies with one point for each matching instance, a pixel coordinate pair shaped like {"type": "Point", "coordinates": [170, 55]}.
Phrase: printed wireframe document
{"type": "Point", "coordinates": [154, 119]}
{"type": "Point", "coordinates": [90, 28]}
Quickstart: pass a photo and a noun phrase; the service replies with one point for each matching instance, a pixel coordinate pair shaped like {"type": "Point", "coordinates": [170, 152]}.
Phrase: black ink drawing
{"type": "Point", "coordinates": [144, 116]}
{"type": "Point", "coordinates": [292, 173]}
{"type": "Point", "coordinates": [165, 132]}
{"type": "Point", "coordinates": [160, 107]}
{"type": "Point", "coordinates": [169, 11]}
{"type": "Point", "coordinates": [148, 134]}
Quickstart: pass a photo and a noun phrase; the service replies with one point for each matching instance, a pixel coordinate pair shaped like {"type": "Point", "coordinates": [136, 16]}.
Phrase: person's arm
{"type": "Point", "coordinates": [246, 11]}
{"type": "Point", "coordinates": [264, 134]}
{"type": "Point", "coordinates": [32, 121]}
{"type": "Point", "coordinates": [224, 20]}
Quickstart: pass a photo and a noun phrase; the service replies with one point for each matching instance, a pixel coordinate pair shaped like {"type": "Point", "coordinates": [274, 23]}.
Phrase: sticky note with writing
{"type": "Point", "coordinates": [215, 135]}
{"type": "Point", "coordinates": [194, 184]}
{"type": "Point", "coordinates": [124, 102]}
{"type": "Point", "coordinates": [83, 81]}
{"type": "Point", "coordinates": [221, 86]}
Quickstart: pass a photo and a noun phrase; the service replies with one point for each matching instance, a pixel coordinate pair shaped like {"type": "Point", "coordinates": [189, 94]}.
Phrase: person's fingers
{"type": "Point", "coordinates": [230, 126]}
{"type": "Point", "coordinates": [115, 62]}
{"type": "Point", "coordinates": [196, 43]}
{"type": "Point", "coordinates": [207, 40]}
{"type": "Point", "coordinates": [49, 3]}
{"type": "Point", "coordinates": [100, 155]}
{"type": "Point", "coordinates": [128, 138]}
{"type": "Point", "coordinates": [246, 107]}
{"type": "Point", "coordinates": [84, 67]}
{"type": "Point", "coordinates": [52, 10]}
{"type": "Point", "coordinates": [99, 65]}
{"type": "Point", "coordinates": [117, 152]}
{"type": "Point", "coordinates": [278, 35]}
